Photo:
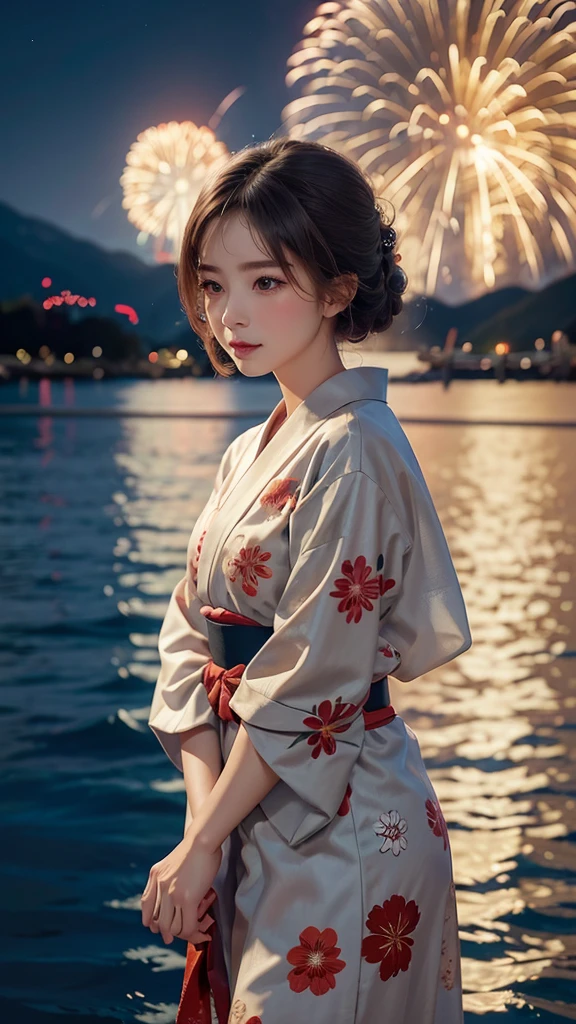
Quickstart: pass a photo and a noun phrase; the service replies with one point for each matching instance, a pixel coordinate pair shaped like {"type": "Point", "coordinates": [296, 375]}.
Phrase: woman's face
{"type": "Point", "coordinates": [257, 304]}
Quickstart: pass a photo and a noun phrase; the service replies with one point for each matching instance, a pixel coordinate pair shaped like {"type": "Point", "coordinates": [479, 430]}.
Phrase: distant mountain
{"type": "Point", "coordinates": [31, 249]}
{"type": "Point", "coordinates": [511, 314]}
{"type": "Point", "coordinates": [534, 315]}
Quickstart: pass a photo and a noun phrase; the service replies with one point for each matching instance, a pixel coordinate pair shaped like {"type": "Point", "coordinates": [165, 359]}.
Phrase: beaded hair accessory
{"type": "Point", "coordinates": [397, 282]}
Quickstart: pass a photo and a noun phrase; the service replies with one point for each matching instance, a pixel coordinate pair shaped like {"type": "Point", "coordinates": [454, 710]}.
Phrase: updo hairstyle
{"type": "Point", "coordinates": [305, 198]}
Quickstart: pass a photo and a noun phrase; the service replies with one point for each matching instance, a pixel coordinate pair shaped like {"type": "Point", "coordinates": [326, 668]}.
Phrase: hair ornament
{"type": "Point", "coordinates": [388, 238]}
{"type": "Point", "coordinates": [397, 282]}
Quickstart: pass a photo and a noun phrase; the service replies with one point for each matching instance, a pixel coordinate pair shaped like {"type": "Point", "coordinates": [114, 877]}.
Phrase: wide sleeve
{"type": "Point", "coordinates": [372, 591]}
{"type": "Point", "coordinates": [300, 698]}
{"type": "Point", "coordinates": [179, 701]}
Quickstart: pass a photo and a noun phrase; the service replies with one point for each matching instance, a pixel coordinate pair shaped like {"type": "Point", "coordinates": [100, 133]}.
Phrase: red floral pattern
{"type": "Point", "coordinates": [315, 961]}
{"type": "Point", "coordinates": [281, 492]}
{"type": "Point", "coordinates": [254, 1020]}
{"type": "Point", "coordinates": [250, 564]}
{"type": "Point", "coordinates": [390, 945]}
{"type": "Point", "coordinates": [436, 820]}
{"type": "Point", "coordinates": [345, 805]}
{"type": "Point", "coordinates": [324, 722]}
{"type": "Point", "coordinates": [356, 590]}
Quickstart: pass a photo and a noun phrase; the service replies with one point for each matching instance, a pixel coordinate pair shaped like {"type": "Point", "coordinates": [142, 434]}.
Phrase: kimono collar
{"type": "Point", "coordinates": [351, 385]}
{"type": "Point", "coordinates": [261, 462]}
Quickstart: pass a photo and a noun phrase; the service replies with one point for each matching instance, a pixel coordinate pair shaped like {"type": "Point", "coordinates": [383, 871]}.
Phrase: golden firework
{"type": "Point", "coordinates": [463, 115]}
{"type": "Point", "coordinates": [165, 170]}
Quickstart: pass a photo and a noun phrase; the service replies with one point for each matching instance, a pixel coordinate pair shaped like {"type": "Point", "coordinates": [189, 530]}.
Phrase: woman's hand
{"type": "Point", "coordinates": [178, 892]}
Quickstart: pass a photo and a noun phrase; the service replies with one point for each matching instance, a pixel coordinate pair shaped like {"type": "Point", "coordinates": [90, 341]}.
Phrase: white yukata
{"type": "Point", "coordinates": [336, 897]}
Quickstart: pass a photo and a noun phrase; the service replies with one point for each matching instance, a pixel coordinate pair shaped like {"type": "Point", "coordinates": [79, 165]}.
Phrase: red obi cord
{"type": "Point", "coordinates": [221, 684]}
{"type": "Point", "coordinates": [374, 719]}
{"type": "Point", "coordinates": [223, 615]}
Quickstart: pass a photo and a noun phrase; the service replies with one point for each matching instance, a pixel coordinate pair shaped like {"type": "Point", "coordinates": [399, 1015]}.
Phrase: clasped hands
{"type": "Point", "coordinates": [178, 892]}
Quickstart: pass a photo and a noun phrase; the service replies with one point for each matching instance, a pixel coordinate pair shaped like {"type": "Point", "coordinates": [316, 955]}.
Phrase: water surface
{"type": "Point", "coordinates": [95, 516]}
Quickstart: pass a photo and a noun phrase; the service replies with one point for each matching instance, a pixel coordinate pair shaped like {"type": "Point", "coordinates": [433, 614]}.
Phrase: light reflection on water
{"type": "Point", "coordinates": [496, 727]}
{"type": "Point", "coordinates": [95, 520]}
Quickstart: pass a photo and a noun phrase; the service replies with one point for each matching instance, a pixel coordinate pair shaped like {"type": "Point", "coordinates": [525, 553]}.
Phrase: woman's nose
{"type": "Point", "coordinates": [233, 316]}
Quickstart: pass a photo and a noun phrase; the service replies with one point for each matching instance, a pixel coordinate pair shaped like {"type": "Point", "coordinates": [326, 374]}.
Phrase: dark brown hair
{"type": "Point", "coordinates": [308, 199]}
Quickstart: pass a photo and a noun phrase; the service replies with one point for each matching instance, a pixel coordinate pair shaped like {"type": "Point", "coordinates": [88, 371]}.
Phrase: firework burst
{"type": "Point", "coordinates": [463, 115]}
{"type": "Point", "coordinates": [166, 168]}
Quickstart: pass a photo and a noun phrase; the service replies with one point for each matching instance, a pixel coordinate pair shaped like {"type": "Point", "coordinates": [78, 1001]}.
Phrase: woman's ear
{"type": "Point", "coordinates": [342, 291]}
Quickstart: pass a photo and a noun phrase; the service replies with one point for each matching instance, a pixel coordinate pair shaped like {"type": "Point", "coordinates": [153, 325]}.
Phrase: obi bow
{"type": "Point", "coordinates": [220, 685]}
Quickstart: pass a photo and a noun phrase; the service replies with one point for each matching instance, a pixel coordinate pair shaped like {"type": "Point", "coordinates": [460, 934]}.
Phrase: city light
{"type": "Point", "coordinates": [67, 298]}
{"type": "Point", "coordinates": [128, 311]}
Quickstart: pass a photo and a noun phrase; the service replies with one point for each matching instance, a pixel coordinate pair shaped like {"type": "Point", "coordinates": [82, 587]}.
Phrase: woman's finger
{"type": "Point", "coordinates": [190, 927]}
{"type": "Point", "coordinates": [205, 922]}
{"type": "Point", "coordinates": [205, 903]}
{"type": "Point", "coordinates": [168, 936]}
{"type": "Point", "coordinates": [177, 922]}
{"type": "Point", "coordinates": [166, 916]}
{"type": "Point", "coordinates": [156, 910]}
{"type": "Point", "coordinates": [148, 902]}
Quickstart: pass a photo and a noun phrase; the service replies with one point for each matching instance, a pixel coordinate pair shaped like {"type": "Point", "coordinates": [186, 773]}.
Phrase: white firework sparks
{"type": "Point", "coordinates": [463, 115]}
{"type": "Point", "coordinates": [166, 168]}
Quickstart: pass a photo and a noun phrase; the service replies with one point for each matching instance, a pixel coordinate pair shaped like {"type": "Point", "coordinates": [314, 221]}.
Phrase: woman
{"type": "Point", "coordinates": [317, 569]}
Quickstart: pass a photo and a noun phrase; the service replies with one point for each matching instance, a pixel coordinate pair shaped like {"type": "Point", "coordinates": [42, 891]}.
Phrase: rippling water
{"type": "Point", "coordinates": [95, 516]}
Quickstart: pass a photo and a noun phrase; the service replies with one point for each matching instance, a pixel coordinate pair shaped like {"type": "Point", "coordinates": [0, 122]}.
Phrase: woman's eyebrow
{"type": "Point", "coordinates": [252, 265]}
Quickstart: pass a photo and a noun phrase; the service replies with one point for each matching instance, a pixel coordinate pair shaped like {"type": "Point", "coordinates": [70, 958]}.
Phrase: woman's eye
{"type": "Point", "coordinates": [275, 280]}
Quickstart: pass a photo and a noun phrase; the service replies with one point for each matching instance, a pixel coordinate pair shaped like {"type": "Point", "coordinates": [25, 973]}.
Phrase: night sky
{"type": "Point", "coordinates": [79, 82]}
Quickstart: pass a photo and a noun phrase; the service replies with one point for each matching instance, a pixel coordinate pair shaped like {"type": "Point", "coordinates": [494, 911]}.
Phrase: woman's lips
{"type": "Point", "coordinates": [241, 348]}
